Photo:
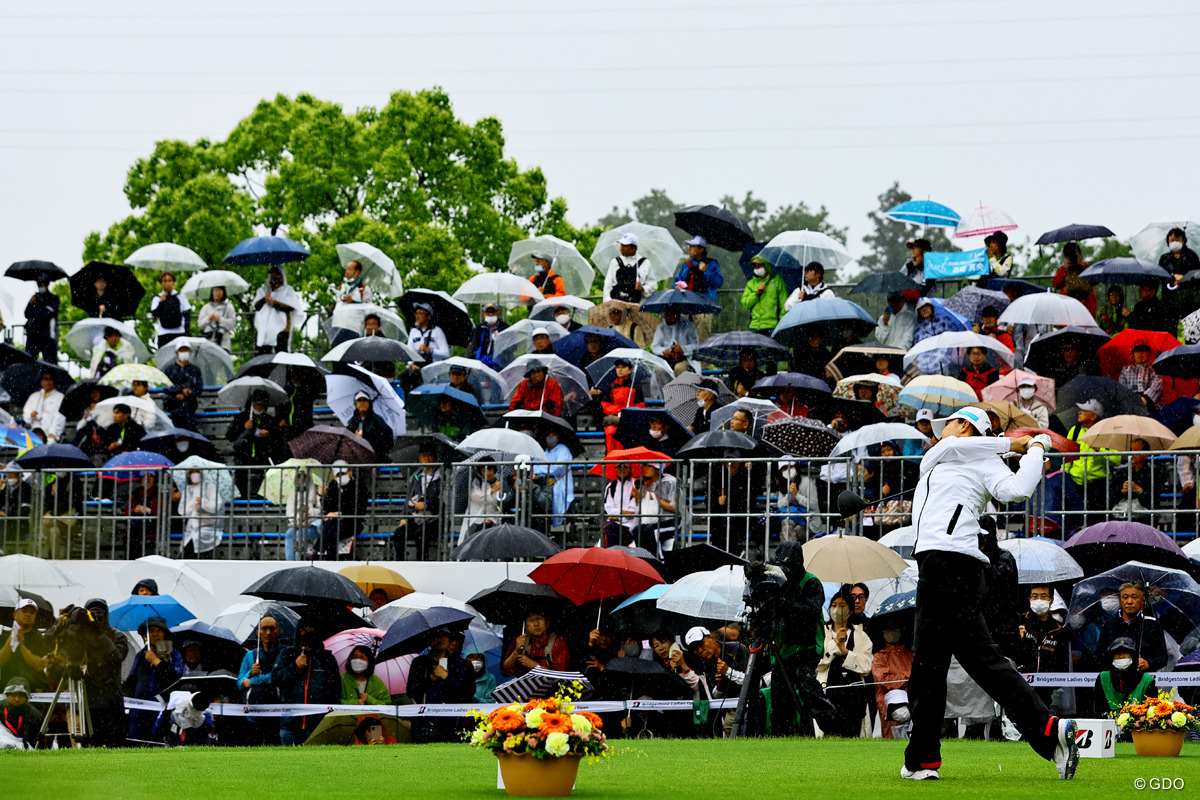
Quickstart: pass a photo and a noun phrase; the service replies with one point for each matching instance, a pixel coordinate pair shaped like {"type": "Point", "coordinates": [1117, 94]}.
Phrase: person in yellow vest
{"type": "Point", "coordinates": [1088, 472]}
{"type": "Point", "coordinates": [1123, 682]}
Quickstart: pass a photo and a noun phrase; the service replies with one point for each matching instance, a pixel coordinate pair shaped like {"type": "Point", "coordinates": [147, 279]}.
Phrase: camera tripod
{"type": "Point", "coordinates": [755, 669]}
{"type": "Point", "coordinates": [79, 717]}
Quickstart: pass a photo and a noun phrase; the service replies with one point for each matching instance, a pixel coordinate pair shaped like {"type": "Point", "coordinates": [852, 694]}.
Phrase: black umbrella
{"type": "Point", "coordinates": [327, 444]}
{"type": "Point", "coordinates": [270, 366]}
{"type": "Point", "coordinates": [20, 380]}
{"type": "Point", "coordinates": [330, 618]}
{"type": "Point", "coordinates": [309, 585]}
{"type": "Point", "coordinates": [698, 558]}
{"type": "Point", "coordinates": [858, 412]}
{"type": "Point", "coordinates": [55, 456]}
{"type": "Point", "coordinates": [79, 397]}
{"type": "Point", "coordinates": [633, 430]}
{"type": "Point", "coordinates": [413, 631]}
{"type": "Point", "coordinates": [859, 359]}
{"type": "Point", "coordinates": [35, 271]}
{"type": "Point", "coordinates": [219, 647]}
{"type": "Point", "coordinates": [886, 283]}
{"type": "Point", "coordinates": [1115, 398]}
{"type": "Point", "coordinates": [377, 348]}
{"type": "Point", "coordinates": [770, 385]}
{"type": "Point", "coordinates": [122, 296]}
{"type": "Point", "coordinates": [448, 314]}
{"type": "Point", "coordinates": [1125, 271]}
{"type": "Point", "coordinates": [544, 423]}
{"type": "Point", "coordinates": [638, 677]}
{"type": "Point", "coordinates": [1074, 233]}
{"type": "Point", "coordinates": [10, 356]}
{"type": "Point", "coordinates": [506, 543]}
{"type": "Point", "coordinates": [8, 604]}
{"type": "Point", "coordinates": [509, 602]}
{"type": "Point", "coordinates": [166, 444]}
{"type": "Point", "coordinates": [408, 447]}
{"type": "Point", "coordinates": [720, 226]}
{"type": "Point", "coordinates": [725, 349]}
{"type": "Point", "coordinates": [639, 552]}
{"type": "Point", "coordinates": [1044, 353]}
{"type": "Point", "coordinates": [712, 445]}
{"type": "Point", "coordinates": [1182, 362]}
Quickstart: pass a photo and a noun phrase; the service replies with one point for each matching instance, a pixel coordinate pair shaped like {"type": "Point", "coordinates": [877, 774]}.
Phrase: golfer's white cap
{"type": "Point", "coordinates": [628, 238]}
{"type": "Point", "coordinates": [699, 241]}
{"type": "Point", "coordinates": [925, 414]}
{"type": "Point", "coordinates": [976, 416]}
{"type": "Point", "coordinates": [694, 635]}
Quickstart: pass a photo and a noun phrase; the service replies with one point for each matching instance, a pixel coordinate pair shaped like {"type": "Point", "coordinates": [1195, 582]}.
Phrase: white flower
{"type": "Point", "coordinates": [480, 734]}
{"type": "Point", "coordinates": [1123, 720]}
{"type": "Point", "coordinates": [1179, 719]}
{"type": "Point", "coordinates": [533, 719]}
{"type": "Point", "coordinates": [556, 744]}
{"type": "Point", "coordinates": [580, 724]}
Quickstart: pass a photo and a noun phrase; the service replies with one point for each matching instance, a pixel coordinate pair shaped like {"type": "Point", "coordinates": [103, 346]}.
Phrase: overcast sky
{"type": "Point", "coordinates": [1057, 112]}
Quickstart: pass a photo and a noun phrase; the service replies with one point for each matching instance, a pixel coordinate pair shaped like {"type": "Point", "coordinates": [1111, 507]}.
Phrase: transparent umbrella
{"type": "Point", "coordinates": [637, 358]}
{"type": "Point", "coordinates": [86, 334]}
{"type": "Point", "coordinates": [242, 618]}
{"type": "Point", "coordinates": [340, 391]}
{"type": "Point", "coordinates": [655, 243]}
{"type": "Point", "coordinates": [215, 364]}
{"type": "Point", "coordinates": [379, 271]}
{"type": "Point", "coordinates": [212, 472]}
{"type": "Point", "coordinates": [761, 412]}
{"type": "Point", "coordinates": [956, 344]}
{"type": "Point", "coordinates": [571, 379]}
{"type": "Point", "coordinates": [1172, 597]}
{"type": "Point", "coordinates": [352, 316]}
{"type": "Point", "coordinates": [982, 221]}
{"type": "Point", "coordinates": [579, 308]}
{"type": "Point", "coordinates": [517, 339]}
{"type": "Point", "coordinates": [716, 594]}
{"type": "Point", "coordinates": [503, 288]}
{"type": "Point", "coordinates": [1150, 243]}
{"type": "Point", "coordinates": [577, 274]}
{"type": "Point", "coordinates": [237, 393]}
{"type": "Point", "coordinates": [166, 257]}
{"type": "Point", "coordinates": [29, 572]}
{"type": "Point", "coordinates": [1047, 308]}
{"type": "Point", "coordinates": [487, 383]}
{"type": "Point", "coordinates": [174, 578]}
{"type": "Point", "coordinates": [876, 434]}
{"type": "Point", "coordinates": [504, 439]}
{"type": "Point", "coordinates": [1039, 561]}
{"type": "Point", "coordinates": [281, 482]}
{"type": "Point", "coordinates": [199, 287]}
{"type": "Point", "coordinates": [141, 409]}
{"type": "Point", "coordinates": [680, 396]}
{"type": "Point", "coordinates": [796, 249]}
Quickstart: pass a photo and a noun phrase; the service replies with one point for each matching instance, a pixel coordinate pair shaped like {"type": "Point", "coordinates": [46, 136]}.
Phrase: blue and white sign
{"type": "Point", "coordinates": [957, 265]}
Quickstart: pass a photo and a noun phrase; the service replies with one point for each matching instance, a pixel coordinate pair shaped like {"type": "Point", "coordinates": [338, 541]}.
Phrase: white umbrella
{"type": "Point", "coordinates": [517, 339]}
{"type": "Point", "coordinates": [502, 288]}
{"type": "Point", "coordinates": [487, 382]}
{"type": "Point", "coordinates": [579, 308]}
{"type": "Point", "coordinates": [959, 341]}
{"type": "Point", "coordinates": [352, 316]}
{"type": "Point", "coordinates": [796, 249]}
{"type": "Point", "coordinates": [200, 285]}
{"type": "Point", "coordinates": [174, 578]}
{"type": "Point", "coordinates": [236, 393]}
{"type": "Point", "coordinates": [30, 572]}
{"type": "Point", "coordinates": [166, 257]}
{"type": "Point", "coordinates": [142, 410]}
{"type": "Point", "coordinates": [340, 391]}
{"type": "Point", "coordinates": [379, 271]}
{"type": "Point", "coordinates": [1150, 243]}
{"type": "Point", "coordinates": [715, 594]}
{"type": "Point", "coordinates": [761, 412]}
{"type": "Point", "coordinates": [216, 365]}
{"type": "Point", "coordinates": [86, 334]}
{"type": "Point", "coordinates": [880, 432]}
{"type": "Point", "coordinates": [982, 221]}
{"type": "Point", "coordinates": [571, 379]}
{"type": "Point", "coordinates": [242, 616]}
{"type": "Point", "coordinates": [1042, 562]}
{"type": "Point", "coordinates": [655, 243]}
{"type": "Point", "coordinates": [1047, 308]}
{"type": "Point", "coordinates": [504, 439]}
{"type": "Point", "coordinates": [902, 540]}
{"type": "Point", "coordinates": [577, 274]}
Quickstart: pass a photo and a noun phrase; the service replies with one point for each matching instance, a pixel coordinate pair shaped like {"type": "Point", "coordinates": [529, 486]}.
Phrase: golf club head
{"type": "Point", "coordinates": [849, 504]}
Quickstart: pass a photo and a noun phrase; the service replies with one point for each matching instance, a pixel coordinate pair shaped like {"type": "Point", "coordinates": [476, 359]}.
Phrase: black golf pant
{"type": "Point", "coordinates": [949, 623]}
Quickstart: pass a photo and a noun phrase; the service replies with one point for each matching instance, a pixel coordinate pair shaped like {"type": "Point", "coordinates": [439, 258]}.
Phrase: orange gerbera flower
{"type": "Point", "coordinates": [547, 704]}
{"type": "Point", "coordinates": [592, 718]}
{"type": "Point", "coordinates": [553, 722]}
{"type": "Point", "coordinates": [506, 719]}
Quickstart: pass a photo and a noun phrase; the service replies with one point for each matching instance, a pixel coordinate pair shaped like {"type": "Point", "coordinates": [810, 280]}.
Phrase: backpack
{"type": "Point", "coordinates": [626, 280]}
{"type": "Point", "coordinates": [170, 312]}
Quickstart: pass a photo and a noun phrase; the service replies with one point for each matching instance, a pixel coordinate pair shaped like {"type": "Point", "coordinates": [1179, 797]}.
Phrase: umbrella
{"type": "Point", "coordinates": [1126, 271]}
{"type": "Point", "coordinates": [543, 423]}
{"type": "Point", "coordinates": [923, 212]}
{"type": "Point", "coordinates": [1110, 544]}
{"type": "Point", "coordinates": [1059, 442]}
{"type": "Point", "coordinates": [858, 359]}
{"type": "Point", "coordinates": [199, 287]}
{"type": "Point", "coordinates": [679, 396]}
{"type": "Point", "coordinates": [698, 558]}
{"type": "Point", "coordinates": [309, 585]}
{"type": "Point", "coordinates": [1179, 362]}
{"type": "Point", "coordinates": [1047, 308]}
{"type": "Point", "coordinates": [571, 379]}
{"type": "Point", "coordinates": [1178, 414]}
{"type": "Point", "coordinates": [971, 300]}
{"type": "Point", "coordinates": [831, 313]}
{"type": "Point", "coordinates": [174, 578]}
{"type": "Point", "coordinates": [121, 297]}
{"type": "Point", "coordinates": [725, 349]}
{"type": "Point", "coordinates": [567, 262]}
{"type": "Point", "coordinates": [719, 226]}
{"type": "Point", "coordinates": [688, 302]}
{"type": "Point", "coordinates": [414, 629]}
{"type": "Point", "coordinates": [50, 457]}
{"type": "Point", "coordinates": [1150, 243]}
{"type": "Point", "coordinates": [572, 348]}
{"type": "Point", "coordinates": [709, 595]}
{"type": "Point", "coordinates": [215, 364]}
{"type": "Point", "coordinates": [35, 271]}
{"type": "Point", "coordinates": [8, 605]}
{"type": "Point", "coordinates": [327, 444]}
{"type": "Point", "coordinates": [1074, 233]}
{"type": "Point", "coordinates": [1011, 416]}
{"type": "Point", "coordinates": [1191, 327]}
{"type": "Point", "coordinates": [212, 472]}
{"type": "Point", "coordinates": [801, 437]}
{"type": "Point", "coordinates": [771, 385]}
{"type": "Point", "coordinates": [370, 577]}
{"type": "Point", "coordinates": [650, 373]}
{"type": "Point", "coordinates": [876, 434]}
{"type": "Point", "coordinates": [633, 430]}
{"type": "Point", "coordinates": [608, 466]}
{"type": "Point", "coordinates": [983, 220]}
{"type": "Point", "coordinates": [505, 439]}
{"type": "Point", "coordinates": [517, 339]}
{"type": "Point", "coordinates": [372, 348]}
{"type": "Point", "coordinates": [796, 249]}
{"type": "Point", "coordinates": [122, 377]}
{"type": "Point", "coordinates": [1117, 353]}
{"type": "Point", "coordinates": [506, 543]}
{"type": "Point", "coordinates": [29, 572]}
{"type": "Point", "coordinates": [578, 307]}
{"type": "Point", "coordinates": [1118, 433]}
{"type": "Point", "coordinates": [850, 559]}
{"type": "Point", "coordinates": [1018, 287]}
{"type": "Point", "coordinates": [265, 251]}
{"type": "Point", "coordinates": [491, 388]}
{"type": "Point", "coordinates": [715, 445]}
{"type": "Point", "coordinates": [1115, 398]}
{"type": "Point", "coordinates": [640, 677]}
{"type": "Point", "coordinates": [1040, 562]}
{"type": "Point", "coordinates": [1043, 354]}
{"type": "Point", "coordinates": [130, 466]}
{"type": "Point", "coordinates": [587, 574]}
{"type": "Point", "coordinates": [237, 393]}
{"type": "Point", "coordinates": [384, 616]}
{"type": "Point", "coordinates": [540, 683]}
{"type": "Point", "coordinates": [448, 314]}
{"type": "Point", "coordinates": [10, 356]}
{"type": "Point", "coordinates": [131, 613]}
{"type": "Point", "coordinates": [886, 283]}
{"type": "Point", "coordinates": [902, 540]}
{"type": "Point", "coordinates": [280, 482]}
{"type": "Point", "coordinates": [340, 391]}
{"type": "Point", "coordinates": [509, 602]}
{"type": "Point", "coordinates": [473, 466]}
{"type": "Point", "coordinates": [1006, 388]}
{"type": "Point", "coordinates": [142, 410]}
{"type": "Point", "coordinates": [84, 336]}
{"type": "Point", "coordinates": [502, 288]}
{"type": "Point", "coordinates": [1172, 597]}
{"type": "Point", "coordinates": [959, 342]}
{"type": "Point", "coordinates": [19, 438]}
{"type": "Point", "coordinates": [353, 317]}
{"type": "Point", "coordinates": [887, 390]}
{"type": "Point", "coordinates": [21, 380]}
{"type": "Point", "coordinates": [243, 616]}
{"type": "Point", "coordinates": [640, 616]}
{"type": "Point", "coordinates": [339, 727]}
{"type": "Point", "coordinates": [939, 393]}
{"type": "Point", "coordinates": [166, 257]}
{"type": "Point", "coordinates": [424, 400]}
{"type": "Point", "coordinates": [655, 244]}
{"type": "Point", "coordinates": [645, 321]}
{"type": "Point", "coordinates": [378, 270]}
{"type": "Point", "coordinates": [761, 412]}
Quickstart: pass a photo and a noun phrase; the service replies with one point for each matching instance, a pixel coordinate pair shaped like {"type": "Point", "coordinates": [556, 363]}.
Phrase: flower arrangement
{"type": "Point", "coordinates": [549, 728]}
{"type": "Point", "coordinates": [1162, 713]}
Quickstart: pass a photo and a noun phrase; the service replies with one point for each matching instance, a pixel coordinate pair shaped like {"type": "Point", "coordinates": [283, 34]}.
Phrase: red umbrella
{"type": "Point", "coordinates": [1059, 442]}
{"type": "Point", "coordinates": [588, 574]}
{"type": "Point", "coordinates": [1117, 352]}
{"type": "Point", "coordinates": [609, 465]}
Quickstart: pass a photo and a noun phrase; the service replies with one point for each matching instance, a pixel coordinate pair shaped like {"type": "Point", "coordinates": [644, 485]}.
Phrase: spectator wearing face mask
{"type": "Point", "coordinates": [1044, 645]}
{"type": "Point", "coordinates": [360, 685]}
{"type": "Point", "coordinates": [558, 475]}
{"type": "Point", "coordinates": [482, 347]}
{"type": "Point", "coordinates": [181, 398]}
{"type": "Point", "coordinates": [544, 278]}
{"type": "Point", "coordinates": [890, 668]}
{"type": "Point", "coordinates": [846, 661]}
{"type": "Point", "coordinates": [485, 682]}
{"type": "Point", "coordinates": [562, 315]}
{"type": "Point", "coordinates": [1150, 653]}
{"type": "Point", "coordinates": [1029, 403]}
{"type": "Point", "coordinates": [1123, 681]}
{"type": "Point", "coordinates": [200, 508]}
{"type": "Point", "coordinates": [790, 504]}
{"type": "Point", "coordinates": [764, 296]}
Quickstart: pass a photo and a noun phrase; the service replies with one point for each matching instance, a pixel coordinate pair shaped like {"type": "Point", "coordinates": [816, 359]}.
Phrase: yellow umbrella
{"type": "Point", "coordinates": [1011, 415]}
{"type": "Point", "coordinates": [281, 480]}
{"type": "Point", "coordinates": [850, 559]}
{"type": "Point", "coordinates": [370, 577]}
{"type": "Point", "coordinates": [1188, 440]}
{"type": "Point", "coordinates": [1118, 433]}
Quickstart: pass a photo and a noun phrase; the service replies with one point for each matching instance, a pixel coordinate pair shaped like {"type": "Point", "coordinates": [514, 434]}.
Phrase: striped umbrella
{"type": "Point", "coordinates": [940, 394]}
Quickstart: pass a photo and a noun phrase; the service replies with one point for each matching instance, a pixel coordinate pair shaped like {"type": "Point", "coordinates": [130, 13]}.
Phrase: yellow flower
{"type": "Point", "coordinates": [1123, 720]}
{"type": "Point", "coordinates": [580, 724]}
{"type": "Point", "coordinates": [556, 744]}
{"type": "Point", "coordinates": [481, 733]}
{"type": "Point", "coordinates": [1150, 712]}
{"type": "Point", "coordinates": [1179, 719]}
{"type": "Point", "coordinates": [534, 718]}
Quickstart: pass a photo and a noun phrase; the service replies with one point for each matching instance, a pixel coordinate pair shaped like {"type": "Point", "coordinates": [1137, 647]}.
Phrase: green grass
{"type": "Point", "coordinates": [708, 770]}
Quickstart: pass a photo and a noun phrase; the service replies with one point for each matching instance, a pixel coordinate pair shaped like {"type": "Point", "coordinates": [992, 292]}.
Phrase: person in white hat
{"type": "Point", "coordinates": [960, 476]}
{"type": "Point", "coordinates": [1028, 402]}
{"type": "Point", "coordinates": [924, 424]}
{"type": "Point", "coordinates": [628, 276]}
{"type": "Point", "coordinates": [702, 275]}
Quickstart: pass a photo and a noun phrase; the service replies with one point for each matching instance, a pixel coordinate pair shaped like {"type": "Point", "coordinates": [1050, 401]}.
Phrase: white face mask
{"type": "Point", "coordinates": [656, 434]}
{"type": "Point", "coordinates": [358, 665]}
{"type": "Point", "coordinates": [1175, 246]}
{"type": "Point", "coordinates": [12, 481]}
{"type": "Point", "coordinates": [1196, 419]}
{"type": "Point", "coordinates": [839, 615]}
{"type": "Point", "coordinates": [1111, 604]}
{"type": "Point", "coordinates": [1039, 607]}
{"type": "Point", "coordinates": [891, 636]}
{"type": "Point", "coordinates": [477, 666]}
{"type": "Point", "coordinates": [194, 479]}
{"type": "Point", "coordinates": [789, 474]}
{"type": "Point", "coordinates": [343, 480]}
{"type": "Point", "coordinates": [540, 268]}
{"type": "Point", "coordinates": [1122, 663]}
{"type": "Point", "coordinates": [183, 445]}
{"type": "Point", "coordinates": [491, 319]}
{"type": "Point", "coordinates": [43, 290]}
{"type": "Point", "coordinates": [184, 356]}
{"type": "Point", "coordinates": [563, 319]}
{"type": "Point", "coordinates": [551, 442]}
{"type": "Point", "coordinates": [759, 272]}
{"type": "Point", "coordinates": [1027, 392]}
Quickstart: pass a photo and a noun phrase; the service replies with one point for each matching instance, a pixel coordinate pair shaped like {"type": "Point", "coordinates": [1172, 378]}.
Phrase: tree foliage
{"type": "Point", "coordinates": [887, 242]}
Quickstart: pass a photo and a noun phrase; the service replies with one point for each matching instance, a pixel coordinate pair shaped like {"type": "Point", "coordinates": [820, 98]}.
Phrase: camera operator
{"type": "Point", "coordinates": [155, 667]}
{"type": "Point", "coordinates": [83, 638]}
{"type": "Point", "coordinates": [722, 669]}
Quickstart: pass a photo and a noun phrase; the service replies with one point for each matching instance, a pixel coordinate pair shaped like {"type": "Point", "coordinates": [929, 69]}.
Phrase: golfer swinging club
{"type": "Point", "coordinates": [959, 476]}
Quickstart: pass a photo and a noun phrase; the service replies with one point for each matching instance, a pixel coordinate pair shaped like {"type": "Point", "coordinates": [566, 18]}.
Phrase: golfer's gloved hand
{"type": "Point", "coordinates": [1043, 439]}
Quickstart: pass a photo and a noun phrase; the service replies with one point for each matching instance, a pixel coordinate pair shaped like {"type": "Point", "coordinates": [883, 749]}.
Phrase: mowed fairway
{"type": "Point", "coordinates": [661, 769]}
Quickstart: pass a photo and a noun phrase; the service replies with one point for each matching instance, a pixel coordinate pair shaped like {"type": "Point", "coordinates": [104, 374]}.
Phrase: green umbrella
{"type": "Point", "coordinates": [337, 727]}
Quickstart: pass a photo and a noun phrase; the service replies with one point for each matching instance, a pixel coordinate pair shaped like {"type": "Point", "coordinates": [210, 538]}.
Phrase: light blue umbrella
{"type": "Point", "coordinates": [832, 312]}
{"type": "Point", "coordinates": [210, 472]}
{"type": "Point", "coordinates": [652, 594]}
{"type": "Point", "coordinates": [940, 394]}
{"type": "Point", "coordinates": [267, 251]}
{"type": "Point", "coordinates": [133, 611]}
{"type": "Point", "coordinates": [923, 212]}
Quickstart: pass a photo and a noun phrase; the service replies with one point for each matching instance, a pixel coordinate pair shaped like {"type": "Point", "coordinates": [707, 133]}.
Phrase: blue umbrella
{"type": "Point", "coordinates": [1124, 271]}
{"type": "Point", "coordinates": [55, 456]}
{"type": "Point", "coordinates": [130, 466]}
{"type": "Point", "coordinates": [1177, 415]}
{"type": "Point", "coordinates": [832, 312]}
{"type": "Point", "coordinates": [688, 302]}
{"type": "Point", "coordinates": [1074, 233]}
{"type": "Point", "coordinates": [413, 631]}
{"type": "Point", "coordinates": [725, 349]}
{"type": "Point", "coordinates": [1182, 362]}
{"type": "Point", "coordinates": [267, 251]}
{"type": "Point", "coordinates": [955, 320]}
{"type": "Point", "coordinates": [423, 402]}
{"type": "Point", "coordinates": [571, 348]}
{"type": "Point", "coordinates": [133, 611]}
{"type": "Point", "coordinates": [923, 212]}
{"type": "Point", "coordinates": [771, 384]}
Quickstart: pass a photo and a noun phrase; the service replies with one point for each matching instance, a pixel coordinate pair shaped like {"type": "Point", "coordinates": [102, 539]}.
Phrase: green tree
{"type": "Point", "coordinates": [887, 240]}
{"type": "Point", "coordinates": [1032, 259]}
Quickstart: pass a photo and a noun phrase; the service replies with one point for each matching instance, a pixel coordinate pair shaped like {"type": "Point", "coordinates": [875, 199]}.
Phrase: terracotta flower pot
{"type": "Point", "coordinates": [1158, 743]}
{"type": "Point", "coordinates": [527, 776]}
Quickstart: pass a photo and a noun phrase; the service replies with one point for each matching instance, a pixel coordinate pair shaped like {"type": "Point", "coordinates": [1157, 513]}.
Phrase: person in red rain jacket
{"type": "Point", "coordinates": [538, 392]}
{"type": "Point", "coordinates": [979, 374]}
{"type": "Point", "coordinates": [618, 396]}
